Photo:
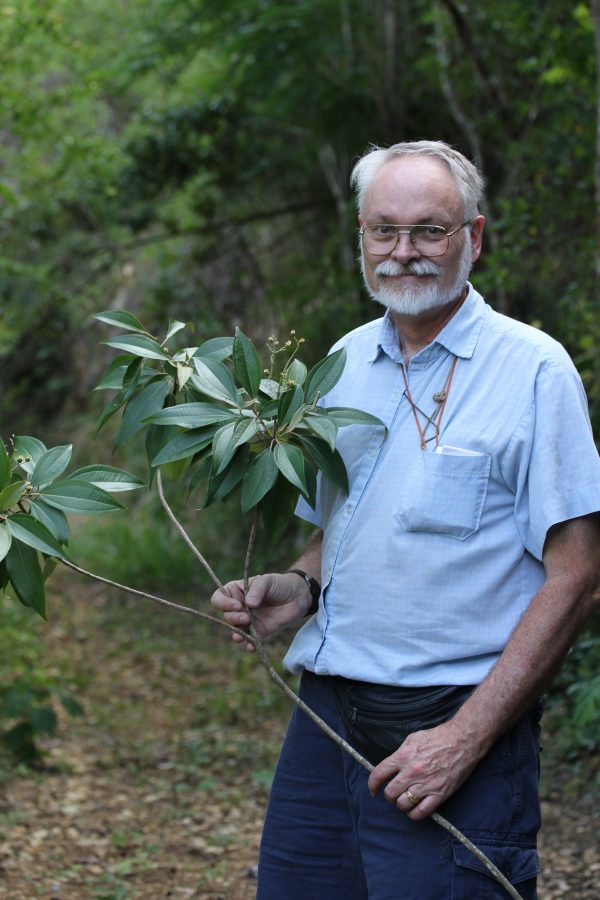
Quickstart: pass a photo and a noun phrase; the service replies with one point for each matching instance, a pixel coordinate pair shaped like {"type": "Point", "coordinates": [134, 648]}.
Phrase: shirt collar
{"type": "Point", "coordinates": [459, 335]}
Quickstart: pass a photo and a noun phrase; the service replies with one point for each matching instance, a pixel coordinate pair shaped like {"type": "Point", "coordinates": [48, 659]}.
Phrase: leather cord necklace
{"type": "Point", "coordinates": [435, 419]}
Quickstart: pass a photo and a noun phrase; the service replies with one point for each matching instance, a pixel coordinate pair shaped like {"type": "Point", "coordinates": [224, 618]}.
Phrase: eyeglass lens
{"type": "Point", "coordinates": [430, 240]}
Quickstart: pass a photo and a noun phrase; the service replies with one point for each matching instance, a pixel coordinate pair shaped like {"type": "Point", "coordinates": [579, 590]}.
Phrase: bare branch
{"type": "Point", "coordinates": [470, 45]}
{"type": "Point", "coordinates": [175, 606]}
{"type": "Point", "coordinates": [203, 562]}
{"type": "Point", "coordinates": [471, 133]}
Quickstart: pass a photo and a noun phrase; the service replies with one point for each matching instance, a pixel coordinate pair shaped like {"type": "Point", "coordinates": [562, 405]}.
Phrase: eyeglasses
{"type": "Point", "coordinates": [428, 240]}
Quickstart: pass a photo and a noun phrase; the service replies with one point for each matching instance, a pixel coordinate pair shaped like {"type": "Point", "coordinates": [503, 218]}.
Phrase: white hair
{"type": "Point", "coordinates": [467, 177]}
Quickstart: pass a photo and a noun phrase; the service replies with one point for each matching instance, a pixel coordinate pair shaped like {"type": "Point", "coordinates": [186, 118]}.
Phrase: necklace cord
{"type": "Point", "coordinates": [440, 410]}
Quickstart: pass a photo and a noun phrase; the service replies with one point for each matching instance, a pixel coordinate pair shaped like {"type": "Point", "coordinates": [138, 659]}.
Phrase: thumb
{"type": "Point", "coordinates": [257, 591]}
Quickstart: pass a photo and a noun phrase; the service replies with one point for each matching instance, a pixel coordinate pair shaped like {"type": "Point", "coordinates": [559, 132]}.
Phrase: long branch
{"type": "Point", "coordinates": [252, 636]}
{"type": "Point", "coordinates": [291, 694]}
{"type": "Point", "coordinates": [178, 607]}
{"type": "Point", "coordinates": [183, 533]}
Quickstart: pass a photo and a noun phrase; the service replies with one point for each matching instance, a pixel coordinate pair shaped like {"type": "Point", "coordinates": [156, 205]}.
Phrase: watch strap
{"type": "Point", "coordinates": [314, 588]}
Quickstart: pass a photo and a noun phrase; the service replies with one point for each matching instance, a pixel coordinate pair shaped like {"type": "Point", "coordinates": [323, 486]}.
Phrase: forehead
{"type": "Point", "coordinates": [413, 189]}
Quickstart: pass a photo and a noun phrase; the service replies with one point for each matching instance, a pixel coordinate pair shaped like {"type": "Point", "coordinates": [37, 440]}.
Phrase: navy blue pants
{"type": "Point", "coordinates": [325, 836]}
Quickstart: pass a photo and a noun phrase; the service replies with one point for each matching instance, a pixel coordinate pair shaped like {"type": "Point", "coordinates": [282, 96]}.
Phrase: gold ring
{"type": "Point", "coordinates": [411, 797]}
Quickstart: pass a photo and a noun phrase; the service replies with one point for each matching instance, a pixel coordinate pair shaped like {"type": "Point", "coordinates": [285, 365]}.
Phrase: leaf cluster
{"type": "Point", "coordinates": [35, 499]}
{"type": "Point", "coordinates": [227, 419]}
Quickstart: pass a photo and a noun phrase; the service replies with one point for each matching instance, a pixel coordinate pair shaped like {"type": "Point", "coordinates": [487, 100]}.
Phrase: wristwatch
{"type": "Point", "coordinates": [314, 588]}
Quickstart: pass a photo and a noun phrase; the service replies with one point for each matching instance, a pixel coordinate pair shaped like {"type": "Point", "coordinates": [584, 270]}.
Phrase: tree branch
{"type": "Point", "coordinates": [253, 638]}
{"type": "Point", "coordinates": [466, 37]}
{"type": "Point", "coordinates": [183, 533]}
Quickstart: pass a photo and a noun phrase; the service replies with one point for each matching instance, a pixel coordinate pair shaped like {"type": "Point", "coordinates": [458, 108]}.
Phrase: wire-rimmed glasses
{"type": "Point", "coordinates": [429, 240]}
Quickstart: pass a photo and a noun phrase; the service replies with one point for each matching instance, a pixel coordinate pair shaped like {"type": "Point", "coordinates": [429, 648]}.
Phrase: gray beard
{"type": "Point", "coordinates": [411, 300]}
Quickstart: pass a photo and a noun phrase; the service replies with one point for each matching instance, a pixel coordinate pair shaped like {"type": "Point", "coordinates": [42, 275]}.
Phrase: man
{"type": "Point", "coordinates": [454, 576]}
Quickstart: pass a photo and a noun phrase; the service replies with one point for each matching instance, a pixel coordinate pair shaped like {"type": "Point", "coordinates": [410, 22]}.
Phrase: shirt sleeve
{"type": "Point", "coordinates": [553, 458]}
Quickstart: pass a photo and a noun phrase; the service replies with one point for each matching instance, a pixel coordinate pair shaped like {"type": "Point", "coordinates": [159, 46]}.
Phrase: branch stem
{"type": "Point", "coordinates": [178, 607]}
{"type": "Point", "coordinates": [183, 533]}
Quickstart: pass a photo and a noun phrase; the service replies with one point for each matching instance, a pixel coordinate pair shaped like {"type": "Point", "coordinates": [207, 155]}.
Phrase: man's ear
{"type": "Point", "coordinates": [476, 237]}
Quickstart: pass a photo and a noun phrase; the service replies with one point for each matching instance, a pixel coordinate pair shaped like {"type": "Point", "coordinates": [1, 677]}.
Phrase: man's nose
{"type": "Point", "coordinates": [404, 249]}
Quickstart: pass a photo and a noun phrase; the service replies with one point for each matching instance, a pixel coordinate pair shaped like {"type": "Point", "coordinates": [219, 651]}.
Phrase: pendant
{"type": "Point", "coordinates": [439, 396]}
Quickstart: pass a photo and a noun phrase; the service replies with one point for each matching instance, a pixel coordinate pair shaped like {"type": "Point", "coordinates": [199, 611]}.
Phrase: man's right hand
{"type": "Point", "coordinates": [275, 600]}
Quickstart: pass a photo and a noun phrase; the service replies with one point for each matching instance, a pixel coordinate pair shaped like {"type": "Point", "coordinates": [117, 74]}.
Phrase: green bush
{"type": "Point", "coordinates": [30, 691]}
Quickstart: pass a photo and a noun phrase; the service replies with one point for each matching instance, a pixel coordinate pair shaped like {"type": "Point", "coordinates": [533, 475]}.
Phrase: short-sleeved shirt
{"type": "Point", "coordinates": [430, 560]}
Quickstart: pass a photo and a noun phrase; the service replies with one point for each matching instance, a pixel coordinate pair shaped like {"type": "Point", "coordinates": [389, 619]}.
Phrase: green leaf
{"type": "Point", "coordinates": [201, 471]}
{"type": "Point", "coordinates": [277, 507]}
{"type": "Point", "coordinates": [148, 400]}
{"type": "Point", "coordinates": [54, 520]}
{"type": "Point", "coordinates": [175, 470]}
{"type": "Point", "coordinates": [185, 444]}
{"type": "Point", "coordinates": [269, 387]}
{"type": "Point", "coordinates": [246, 363]}
{"type": "Point", "coordinates": [11, 495]}
{"type": "Point", "coordinates": [132, 376]}
{"type": "Point", "coordinates": [310, 474]}
{"type": "Point", "coordinates": [259, 479]}
{"type": "Point", "coordinates": [290, 462]}
{"type": "Point", "coordinates": [325, 375]}
{"type": "Point", "coordinates": [214, 379]}
{"type": "Point", "coordinates": [346, 415]}
{"type": "Point", "coordinates": [184, 373]}
{"type": "Point", "coordinates": [5, 467]}
{"type": "Point", "coordinates": [244, 429]}
{"type": "Point", "coordinates": [223, 446]}
{"type": "Point", "coordinates": [25, 528]}
{"type": "Point", "coordinates": [322, 427]}
{"type": "Point", "coordinates": [23, 567]}
{"type": "Point", "coordinates": [220, 486]}
{"type": "Point", "coordinates": [138, 345]}
{"type": "Point", "coordinates": [296, 372]}
{"type": "Point", "coordinates": [108, 478]}
{"type": "Point", "coordinates": [3, 574]}
{"type": "Point", "coordinates": [79, 498]}
{"type": "Point", "coordinates": [330, 463]}
{"type": "Point", "coordinates": [174, 327]}
{"type": "Point", "coordinates": [192, 415]}
{"type": "Point", "coordinates": [289, 404]}
{"type": "Point", "coordinates": [5, 540]}
{"type": "Point", "coordinates": [120, 318]}
{"type": "Point", "coordinates": [114, 373]}
{"type": "Point", "coordinates": [51, 464]}
{"type": "Point", "coordinates": [109, 410]}
{"type": "Point", "coordinates": [216, 348]}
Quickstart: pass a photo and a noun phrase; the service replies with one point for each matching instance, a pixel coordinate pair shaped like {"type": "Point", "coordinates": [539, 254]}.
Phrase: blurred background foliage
{"type": "Point", "coordinates": [190, 158]}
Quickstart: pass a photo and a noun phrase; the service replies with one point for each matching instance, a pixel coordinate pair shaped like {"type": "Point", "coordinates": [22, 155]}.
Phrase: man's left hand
{"type": "Point", "coordinates": [428, 767]}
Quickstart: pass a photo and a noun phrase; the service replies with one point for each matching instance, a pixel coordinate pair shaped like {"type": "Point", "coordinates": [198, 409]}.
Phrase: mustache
{"type": "Point", "coordinates": [390, 267]}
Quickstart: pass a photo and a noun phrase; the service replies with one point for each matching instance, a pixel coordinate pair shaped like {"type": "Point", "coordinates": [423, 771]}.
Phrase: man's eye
{"type": "Point", "coordinates": [430, 232]}
{"type": "Point", "coordinates": [381, 230]}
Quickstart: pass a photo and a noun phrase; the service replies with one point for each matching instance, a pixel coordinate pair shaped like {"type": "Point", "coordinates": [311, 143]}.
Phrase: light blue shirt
{"type": "Point", "coordinates": [431, 559]}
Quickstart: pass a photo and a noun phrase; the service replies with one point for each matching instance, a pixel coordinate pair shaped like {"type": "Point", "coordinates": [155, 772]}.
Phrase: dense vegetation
{"type": "Point", "coordinates": [191, 159]}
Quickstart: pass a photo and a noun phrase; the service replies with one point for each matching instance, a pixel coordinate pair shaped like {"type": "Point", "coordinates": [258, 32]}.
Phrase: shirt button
{"type": "Point", "coordinates": [349, 508]}
{"type": "Point", "coordinates": [372, 452]}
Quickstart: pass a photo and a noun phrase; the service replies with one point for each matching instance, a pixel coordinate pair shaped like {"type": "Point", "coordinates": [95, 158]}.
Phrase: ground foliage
{"type": "Point", "coordinates": [160, 789]}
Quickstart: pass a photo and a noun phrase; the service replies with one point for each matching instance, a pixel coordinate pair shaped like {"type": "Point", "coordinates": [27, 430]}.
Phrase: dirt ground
{"type": "Point", "coordinates": [159, 790]}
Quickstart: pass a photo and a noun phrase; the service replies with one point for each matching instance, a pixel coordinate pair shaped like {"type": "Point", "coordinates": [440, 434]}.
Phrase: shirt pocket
{"type": "Point", "coordinates": [445, 494]}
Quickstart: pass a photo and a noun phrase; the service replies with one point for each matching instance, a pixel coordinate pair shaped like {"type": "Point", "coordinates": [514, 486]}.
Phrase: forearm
{"type": "Point", "coordinates": [529, 662]}
{"type": "Point", "coordinates": [310, 560]}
